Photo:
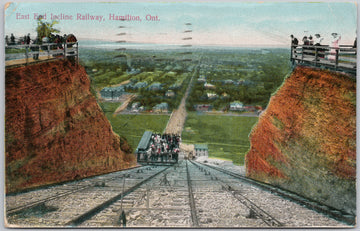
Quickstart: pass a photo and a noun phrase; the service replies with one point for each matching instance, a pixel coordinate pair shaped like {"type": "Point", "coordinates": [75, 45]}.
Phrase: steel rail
{"type": "Point", "coordinates": [92, 212]}
{"type": "Point", "coordinates": [30, 205]}
{"type": "Point", "coordinates": [194, 217]}
{"type": "Point", "coordinates": [260, 213]}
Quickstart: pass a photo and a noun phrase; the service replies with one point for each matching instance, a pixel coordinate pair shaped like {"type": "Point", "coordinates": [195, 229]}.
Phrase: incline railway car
{"type": "Point", "coordinates": [158, 148]}
{"type": "Point", "coordinates": [144, 143]}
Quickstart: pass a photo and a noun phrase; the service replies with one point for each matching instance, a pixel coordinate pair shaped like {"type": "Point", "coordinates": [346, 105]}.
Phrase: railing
{"type": "Point", "coordinates": [341, 58]}
{"type": "Point", "coordinates": [32, 53]}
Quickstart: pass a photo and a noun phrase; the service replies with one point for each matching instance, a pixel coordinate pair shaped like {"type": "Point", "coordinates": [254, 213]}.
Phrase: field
{"type": "Point", "coordinates": [109, 106]}
{"type": "Point", "coordinates": [226, 136]}
{"type": "Point", "coordinates": [132, 127]}
{"type": "Point", "coordinates": [221, 76]}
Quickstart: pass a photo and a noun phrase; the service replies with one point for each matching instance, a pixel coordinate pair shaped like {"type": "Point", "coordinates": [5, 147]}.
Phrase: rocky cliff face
{"type": "Point", "coordinates": [55, 130]}
{"type": "Point", "coordinates": [305, 141]}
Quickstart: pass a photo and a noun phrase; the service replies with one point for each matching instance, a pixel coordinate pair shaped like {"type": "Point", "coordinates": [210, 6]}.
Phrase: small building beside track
{"type": "Point", "coordinates": [201, 150]}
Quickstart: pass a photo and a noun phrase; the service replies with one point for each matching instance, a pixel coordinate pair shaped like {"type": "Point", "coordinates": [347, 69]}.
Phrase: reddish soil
{"type": "Point", "coordinates": [55, 130]}
{"type": "Point", "coordinates": [306, 139]}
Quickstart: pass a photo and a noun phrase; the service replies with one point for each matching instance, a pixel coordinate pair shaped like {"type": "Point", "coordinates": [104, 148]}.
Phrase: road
{"type": "Point", "coordinates": [124, 105]}
{"type": "Point", "coordinates": [178, 116]}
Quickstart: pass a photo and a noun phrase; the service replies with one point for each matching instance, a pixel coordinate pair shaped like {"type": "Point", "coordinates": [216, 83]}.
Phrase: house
{"type": "Point", "coordinates": [201, 150]}
{"type": "Point", "coordinates": [250, 108]}
{"type": "Point", "coordinates": [236, 106]}
{"type": "Point", "coordinates": [211, 95]}
{"type": "Point", "coordinates": [225, 95]}
{"type": "Point", "coordinates": [133, 71]}
{"type": "Point", "coordinates": [203, 107]}
{"type": "Point", "coordinates": [240, 82]}
{"type": "Point", "coordinates": [162, 107]}
{"type": "Point", "coordinates": [201, 79]}
{"type": "Point", "coordinates": [209, 86]}
{"type": "Point", "coordinates": [170, 94]}
{"type": "Point", "coordinates": [176, 85]}
{"type": "Point", "coordinates": [139, 85]}
{"type": "Point", "coordinates": [112, 93]}
{"type": "Point", "coordinates": [128, 86]}
{"type": "Point", "coordinates": [155, 86]}
{"type": "Point", "coordinates": [135, 107]}
{"type": "Point", "coordinates": [229, 81]}
{"type": "Point", "coordinates": [142, 108]}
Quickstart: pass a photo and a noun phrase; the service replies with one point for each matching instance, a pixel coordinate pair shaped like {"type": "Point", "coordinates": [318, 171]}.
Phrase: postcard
{"type": "Point", "coordinates": [180, 114]}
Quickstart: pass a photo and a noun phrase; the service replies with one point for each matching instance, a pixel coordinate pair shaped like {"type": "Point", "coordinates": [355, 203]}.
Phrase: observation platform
{"type": "Point", "coordinates": [341, 58]}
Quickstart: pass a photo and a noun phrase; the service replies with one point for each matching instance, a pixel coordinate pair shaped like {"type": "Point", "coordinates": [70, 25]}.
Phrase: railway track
{"type": "Point", "coordinates": [69, 205]}
{"type": "Point", "coordinates": [187, 194]}
{"type": "Point", "coordinates": [336, 214]}
{"type": "Point", "coordinates": [161, 202]}
{"type": "Point", "coordinates": [85, 216]}
{"type": "Point", "coordinates": [254, 210]}
{"type": "Point", "coordinates": [57, 191]}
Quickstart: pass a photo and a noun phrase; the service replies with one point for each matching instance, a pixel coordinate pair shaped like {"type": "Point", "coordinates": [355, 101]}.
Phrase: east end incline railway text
{"type": "Point", "coordinates": [88, 17]}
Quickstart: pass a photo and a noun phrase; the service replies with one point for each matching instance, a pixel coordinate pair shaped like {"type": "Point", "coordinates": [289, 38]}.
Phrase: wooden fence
{"type": "Point", "coordinates": [16, 55]}
{"type": "Point", "coordinates": [341, 58]}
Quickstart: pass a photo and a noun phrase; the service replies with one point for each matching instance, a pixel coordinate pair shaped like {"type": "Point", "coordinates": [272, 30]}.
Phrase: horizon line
{"type": "Point", "coordinates": [210, 45]}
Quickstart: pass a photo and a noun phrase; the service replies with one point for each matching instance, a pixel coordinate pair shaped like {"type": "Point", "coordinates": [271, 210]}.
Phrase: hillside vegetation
{"type": "Point", "coordinates": [306, 139]}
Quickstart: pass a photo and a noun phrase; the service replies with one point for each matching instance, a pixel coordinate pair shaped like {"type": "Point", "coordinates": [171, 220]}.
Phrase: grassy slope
{"type": "Point", "coordinates": [132, 127]}
{"type": "Point", "coordinates": [226, 136]}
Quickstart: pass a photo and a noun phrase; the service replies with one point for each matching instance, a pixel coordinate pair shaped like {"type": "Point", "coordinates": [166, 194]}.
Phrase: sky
{"type": "Point", "coordinates": [212, 23]}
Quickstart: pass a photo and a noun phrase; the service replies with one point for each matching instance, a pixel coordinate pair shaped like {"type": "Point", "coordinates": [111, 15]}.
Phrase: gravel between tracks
{"type": "Point", "coordinates": [164, 202]}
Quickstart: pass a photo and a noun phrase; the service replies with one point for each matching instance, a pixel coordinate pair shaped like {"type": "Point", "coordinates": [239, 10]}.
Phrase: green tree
{"type": "Point", "coordinates": [44, 29]}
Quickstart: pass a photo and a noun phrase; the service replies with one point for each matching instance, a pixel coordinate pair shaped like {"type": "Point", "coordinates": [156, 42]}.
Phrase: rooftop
{"type": "Point", "coordinates": [201, 146]}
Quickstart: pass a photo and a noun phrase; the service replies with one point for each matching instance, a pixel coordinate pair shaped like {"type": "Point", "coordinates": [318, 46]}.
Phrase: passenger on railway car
{"type": "Point", "coordinates": [161, 156]}
{"type": "Point", "coordinates": [158, 153]}
{"type": "Point", "coordinates": [153, 152]}
{"type": "Point", "coordinates": [177, 154]}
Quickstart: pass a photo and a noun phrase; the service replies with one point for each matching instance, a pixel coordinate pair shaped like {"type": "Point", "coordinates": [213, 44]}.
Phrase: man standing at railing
{"type": "Point", "coordinates": [318, 39]}
{"type": "Point", "coordinates": [27, 41]}
{"type": "Point", "coordinates": [294, 43]}
{"type": "Point", "coordinates": [35, 48]}
{"type": "Point", "coordinates": [12, 39]}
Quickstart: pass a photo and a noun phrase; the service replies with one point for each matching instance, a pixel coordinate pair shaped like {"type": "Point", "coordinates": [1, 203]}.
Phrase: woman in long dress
{"type": "Point", "coordinates": [334, 46]}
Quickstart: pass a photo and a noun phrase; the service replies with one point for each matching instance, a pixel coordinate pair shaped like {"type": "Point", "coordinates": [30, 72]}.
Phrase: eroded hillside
{"type": "Point", "coordinates": [306, 139]}
{"type": "Point", "coordinates": [55, 130]}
